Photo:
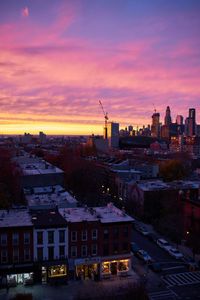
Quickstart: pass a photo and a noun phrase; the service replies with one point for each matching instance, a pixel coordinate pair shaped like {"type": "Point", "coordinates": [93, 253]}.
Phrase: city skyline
{"type": "Point", "coordinates": [59, 58]}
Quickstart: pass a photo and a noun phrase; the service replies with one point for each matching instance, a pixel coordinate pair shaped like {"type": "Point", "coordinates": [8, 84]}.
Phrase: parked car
{"type": "Point", "coordinates": [175, 253]}
{"type": "Point", "coordinates": [144, 255]}
{"type": "Point", "coordinates": [155, 266]}
{"type": "Point", "coordinates": [163, 244]}
{"type": "Point", "coordinates": [141, 230]}
{"type": "Point", "coordinates": [134, 248]}
{"type": "Point", "coordinates": [153, 237]}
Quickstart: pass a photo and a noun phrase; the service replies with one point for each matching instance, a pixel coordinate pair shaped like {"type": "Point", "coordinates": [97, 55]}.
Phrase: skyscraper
{"type": "Point", "coordinates": [113, 134]}
{"type": "Point", "coordinates": [179, 120]}
{"type": "Point", "coordinates": [155, 132]}
{"type": "Point", "coordinates": [192, 122]}
{"type": "Point", "coordinates": [168, 116]}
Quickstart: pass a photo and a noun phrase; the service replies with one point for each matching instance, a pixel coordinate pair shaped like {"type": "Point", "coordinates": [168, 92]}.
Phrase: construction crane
{"type": "Point", "coordinates": [106, 119]}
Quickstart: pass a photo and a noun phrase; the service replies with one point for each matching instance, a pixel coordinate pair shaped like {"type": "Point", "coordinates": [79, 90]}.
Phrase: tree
{"type": "Point", "coordinates": [10, 190]}
{"type": "Point", "coordinates": [172, 170]}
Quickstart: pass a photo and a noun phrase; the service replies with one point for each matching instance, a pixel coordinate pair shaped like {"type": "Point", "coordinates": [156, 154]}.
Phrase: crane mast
{"type": "Point", "coordinates": [106, 119]}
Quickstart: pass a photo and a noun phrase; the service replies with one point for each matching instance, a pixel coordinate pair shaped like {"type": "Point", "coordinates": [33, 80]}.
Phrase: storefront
{"type": "Point", "coordinates": [23, 278]}
{"type": "Point", "coordinates": [52, 273]}
{"type": "Point", "coordinates": [88, 268]}
{"type": "Point", "coordinates": [115, 267]}
{"type": "Point", "coordinates": [17, 274]}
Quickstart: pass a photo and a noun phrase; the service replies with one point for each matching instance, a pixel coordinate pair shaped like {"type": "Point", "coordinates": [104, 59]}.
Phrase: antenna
{"type": "Point", "coordinates": [154, 108]}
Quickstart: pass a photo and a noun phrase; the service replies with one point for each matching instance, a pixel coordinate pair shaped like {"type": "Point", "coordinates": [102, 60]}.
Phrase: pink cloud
{"type": "Point", "coordinates": [52, 77]}
{"type": "Point", "coordinates": [25, 12]}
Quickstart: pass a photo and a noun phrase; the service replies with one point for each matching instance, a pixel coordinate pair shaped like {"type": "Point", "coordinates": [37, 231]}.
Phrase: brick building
{"type": "Point", "coordinates": [99, 241]}
{"type": "Point", "coordinates": [16, 246]}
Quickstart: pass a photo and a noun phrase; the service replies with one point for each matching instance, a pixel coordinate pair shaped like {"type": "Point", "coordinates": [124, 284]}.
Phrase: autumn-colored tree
{"type": "Point", "coordinates": [10, 191]}
{"type": "Point", "coordinates": [82, 176]}
{"type": "Point", "coordinates": [172, 170]}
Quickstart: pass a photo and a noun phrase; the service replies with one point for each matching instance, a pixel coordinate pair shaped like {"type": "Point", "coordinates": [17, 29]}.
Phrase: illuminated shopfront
{"type": "Point", "coordinates": [115, 267]}
{"type": "Point", "coordinates": [86, 271]}
{"type": "Point", "coordinates": [23, 278]}
{"type": "Point", "coordinates": [51, 272]}
{"type": "Point", "coordinates": [87, 268]}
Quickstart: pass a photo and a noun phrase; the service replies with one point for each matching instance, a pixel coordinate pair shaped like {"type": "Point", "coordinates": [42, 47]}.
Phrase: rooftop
{"type": "Point", "coordinates": [107, 214]}
{"type": "Point", "coordinates": [48, 197]}
{"type": "Point", "coordinates": [150, 185]}
{"type": "Point", "coordinates": [32, 165]}
{"type": "Point", "coordinates": [48, 218]}
{"type": "Point", "coordinates": [15, 218]}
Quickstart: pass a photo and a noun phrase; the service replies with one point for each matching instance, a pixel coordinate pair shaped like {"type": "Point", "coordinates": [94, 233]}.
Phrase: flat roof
{"type": "Point", "coordinates": [35, 165]}
{"type": "Point", "coordinates": [150, 185]}
{"type": "Point", "coordinates": [15, 218]}
{"type": "Point", "coordinates": [49, 197]}
{"type": "Point", "coordinates": [107, 214]}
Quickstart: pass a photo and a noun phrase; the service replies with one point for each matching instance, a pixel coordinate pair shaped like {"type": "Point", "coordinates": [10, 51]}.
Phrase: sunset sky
{"type": "Point", "coordinates": [58, 58]}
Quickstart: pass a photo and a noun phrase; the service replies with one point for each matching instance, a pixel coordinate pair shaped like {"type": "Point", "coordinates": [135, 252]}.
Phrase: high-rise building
{"type": "Point", "coordinates": [155, 132]}
{"type": "Point", "coordinates": [168, 116]}
{"type": "Point", "coordinates": [165, 132]}
{"type": "Point", "coordinates": [179, 123]}
{"type": "Point", "coordinates": [179, 120]}
{"type": "Point", "coordinates": [42, 137]}
{"type": "Point", "coordinates": [113, 134]}
{"type": "Point", "coordinates": [130, 128]}
{"type": "Point", "coordinates": [186, 126]}
{"type": "Point", "coordinates": [192, 122]}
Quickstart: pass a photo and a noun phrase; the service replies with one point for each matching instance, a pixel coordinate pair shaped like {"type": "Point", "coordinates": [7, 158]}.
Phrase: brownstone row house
{"type": "Point", "coordinates": [62, 244]}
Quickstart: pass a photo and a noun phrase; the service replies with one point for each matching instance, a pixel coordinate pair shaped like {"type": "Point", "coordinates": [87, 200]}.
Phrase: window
{"type": "Point", "coordinates": [105, 267]}
{"type": "Point", "coordinates": [73, 251]}
{"type": "Point", "coordinates": [83, 250]}
{"type": "Point", "coordinates": [15, 239]}
{"type": "Point", "coordinates": [84, 235]}
{"type": "Point", "coordinates": [27, 238]}
{"type": "Point", "coordinates": [40, 253]}
{"type": "Point", "coordinates": [123, 265]}
{"type": "Point", "coordinates": [57, 271]}
{"type": "Point", "coordinates": [116, 233]}
{"type": "Point", "coordinates": [51, 253]}
{"type": "Point", "coordinates": [61, 236]}
{"type": "Point", "coordinates": [4, 256]}
{"type": "Point", "coordinates": [15, 255]}
{"type": "Point", "coordinates": [94, 234]}
{"type": "Point", "coordinates": [125, 246]}
{"type": "Point", "coordinates": [94, 249]}
{"type": "Point", "coordinates": [26, 254]}
{"type": "Point", "coordinates": [106, 249]}
{"type": "Point", "coordinates": [62, 252]}
{"type": "Point", "coordinates": [115, 248]}
{"type": "Point", "coordinates": [40, 237]}
{"type": "Point", "coordinates": [74, 236]}
{"type": "Point", "coordinates": [50, 237]}
{"type": "Point", "coordinates": [106, 234]}
{"type": "Point", "coordinates": [4, 240]}
{"type": "Point", "coordinates": [125, 231]}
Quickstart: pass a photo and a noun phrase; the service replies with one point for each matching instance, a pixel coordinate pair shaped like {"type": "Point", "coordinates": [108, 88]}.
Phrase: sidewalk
{"type": "Point", "coordinates": [73, 289]}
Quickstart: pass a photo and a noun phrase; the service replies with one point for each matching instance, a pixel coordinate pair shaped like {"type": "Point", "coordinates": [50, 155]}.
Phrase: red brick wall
{"type": "Point", "coordinates": [21, 246]}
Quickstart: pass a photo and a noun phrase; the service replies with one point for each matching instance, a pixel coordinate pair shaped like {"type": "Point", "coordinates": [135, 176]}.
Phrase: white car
{"type": "Point", "coordinates": [175, 253]}
{"type": "Point", "coordinates": [163, 244]}
{"type": "Point", "coordinates": [144, 255]}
